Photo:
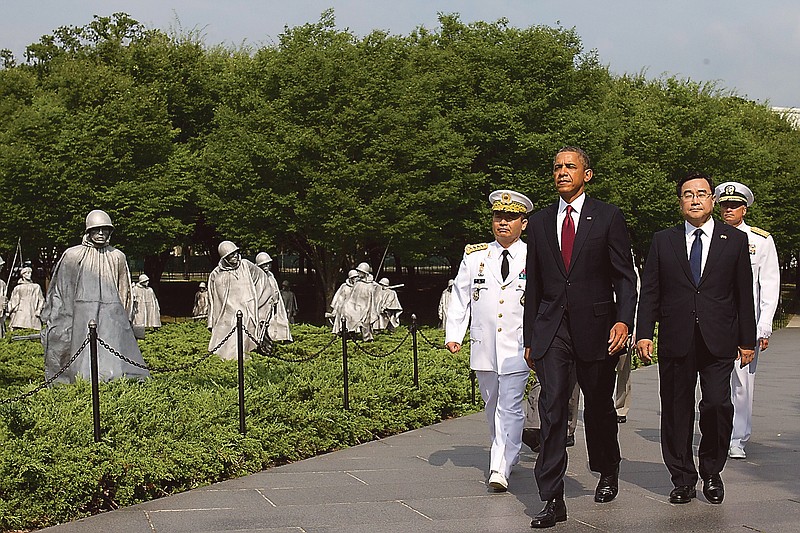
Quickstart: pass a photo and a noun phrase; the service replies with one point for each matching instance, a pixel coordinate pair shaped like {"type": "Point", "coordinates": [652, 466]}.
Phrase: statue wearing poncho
{"type": "Point", "coordinates": [91, 281]}
{"type": "Point", "coordinates": [234, 285]}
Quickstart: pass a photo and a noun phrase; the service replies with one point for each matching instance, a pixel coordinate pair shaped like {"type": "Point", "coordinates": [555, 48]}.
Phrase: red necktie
{"type": "Point", "coordinates": [567, 237]}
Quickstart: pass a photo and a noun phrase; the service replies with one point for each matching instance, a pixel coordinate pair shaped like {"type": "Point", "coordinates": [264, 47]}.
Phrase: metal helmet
{"type": "Point", "coordinates": [450, 282]}
{"type": "Point", "coordinates": [98, 219]}
{"type": "Point", "coordinates": [202, 284]}
{"type": "Point", "coordinates": [364, 268]}
{"type": "Point", "coordinates": [226, 248]}
{"type": "Point", "coordinates": [384, 282]}
{"type": "Point", "coordinates": [352, 274]}
{"type": "Point", "coordinates": [285, 283]}
{"type": "Point", "coordinates": [263, 258]}
{"type": "Point", "coordinates": [143, 278]}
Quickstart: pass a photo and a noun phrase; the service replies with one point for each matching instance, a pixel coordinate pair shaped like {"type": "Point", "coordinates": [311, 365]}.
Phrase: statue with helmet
{"type": "Point", "coordinates": [387, 306]}
{"type": "Point", "coordinates": [235, 285]}
{"type": "Point", "coordinates": [339, 298]}
{"type": "Point", "coordinates": [146, 311]}
{"type": "Point", "coordinates": [359, 309]}
{"type": "Point", "coordinates": [25, 304]}
{"type": "Point", "coordinates": [277, 323]}
{"type": "Point", "coordinates": [200, 308]}
{"type": "Point", "coordinates": [91, 281]}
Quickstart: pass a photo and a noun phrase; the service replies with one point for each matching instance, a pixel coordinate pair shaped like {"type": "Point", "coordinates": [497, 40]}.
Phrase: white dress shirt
{"type": "Point", "coordinates": [705, 239]}
{"type": "Point", "coordinates": [577, 208]}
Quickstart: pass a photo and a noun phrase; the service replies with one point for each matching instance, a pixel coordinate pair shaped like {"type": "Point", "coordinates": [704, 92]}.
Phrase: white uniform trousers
{"type": "Point", "coordinates": [742, 384]}
{"type": "Point", "coordinates": [503, 394]}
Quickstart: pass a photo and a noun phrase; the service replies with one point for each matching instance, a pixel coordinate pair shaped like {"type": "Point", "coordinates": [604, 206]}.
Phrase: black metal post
{"type": "Point", "coordinates": [414, 347]}
{"type": "Point", "coordinates": [472, 382]}
{"type": "Point", "coordinates": [344, 365]}
{"type": "Point", "coordinates": [240, 348]}
{"type": "Point", "coordinates": [95, 379]}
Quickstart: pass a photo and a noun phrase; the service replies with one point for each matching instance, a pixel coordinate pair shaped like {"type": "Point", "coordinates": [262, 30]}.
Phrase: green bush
{"type": "Point", "coordinates": [180, 430]}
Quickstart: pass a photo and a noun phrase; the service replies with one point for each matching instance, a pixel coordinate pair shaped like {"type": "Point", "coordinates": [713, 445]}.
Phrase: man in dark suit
{"type": "Point", "coordinates": [698, 285]}
{"type": "Point", "coordinates": [579, 263]}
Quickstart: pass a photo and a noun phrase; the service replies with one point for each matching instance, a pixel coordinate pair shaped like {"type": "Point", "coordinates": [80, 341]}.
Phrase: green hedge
{"type": "Point", "coordinates": [178, 431]}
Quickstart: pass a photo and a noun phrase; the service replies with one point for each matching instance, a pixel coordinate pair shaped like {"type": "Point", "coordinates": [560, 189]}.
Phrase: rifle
{"type": "Point", "coordinates": [31, 337]}
{"type": "Point", "coordinates": [380, 266]}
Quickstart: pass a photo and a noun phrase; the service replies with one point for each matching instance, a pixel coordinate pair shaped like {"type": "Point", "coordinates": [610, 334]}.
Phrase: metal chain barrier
{"type": "Point", "coordinates": [433, 344]}
{"type": "Point", "coordinates": [387, 354]}
{"type": "Point", "coordinates": [50, 381]}
{"type": "Point", "coordinates": [162, 370]}
{"type": "Point", "coordinates": [303, 359]}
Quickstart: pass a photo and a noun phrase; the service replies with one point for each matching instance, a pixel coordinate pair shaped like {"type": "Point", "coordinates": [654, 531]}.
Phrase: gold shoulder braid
{"type": "Point", "coordinates": [760, 232]}
{"type": "Point", "coordinates": [468, 249]}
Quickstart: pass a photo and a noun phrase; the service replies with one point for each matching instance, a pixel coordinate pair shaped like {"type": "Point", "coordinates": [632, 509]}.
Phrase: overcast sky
{"type": "Point", "coordinates": [747, 46]}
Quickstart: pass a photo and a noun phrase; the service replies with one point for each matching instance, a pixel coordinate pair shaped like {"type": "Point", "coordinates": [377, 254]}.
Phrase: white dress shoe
{"type": "Point", "coordinates": [736, 452]}
{"type": "Point", "coordinates": [498, 482]}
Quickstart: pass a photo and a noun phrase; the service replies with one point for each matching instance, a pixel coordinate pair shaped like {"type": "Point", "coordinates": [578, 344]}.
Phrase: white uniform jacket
{"type": "Point", "coordinates": [766, 277]}
{"type": "Point", "coordinates": [496, 307]}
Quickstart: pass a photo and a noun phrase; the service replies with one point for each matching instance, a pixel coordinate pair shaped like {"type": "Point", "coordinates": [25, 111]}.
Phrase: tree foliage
{"type": "Point", "coordinates": [335, 146]}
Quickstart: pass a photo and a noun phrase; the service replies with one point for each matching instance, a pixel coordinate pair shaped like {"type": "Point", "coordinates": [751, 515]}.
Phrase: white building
{"type": "Point", "coordinates": [792, 114]}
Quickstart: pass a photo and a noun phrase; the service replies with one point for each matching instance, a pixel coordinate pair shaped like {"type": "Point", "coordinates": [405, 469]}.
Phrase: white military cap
{"type": "Point", "coordinates": [143, 278]}
{"type": "Point", "coordinates": [733, 191]}
{"type": "Point", "coordinates": [510, 202]}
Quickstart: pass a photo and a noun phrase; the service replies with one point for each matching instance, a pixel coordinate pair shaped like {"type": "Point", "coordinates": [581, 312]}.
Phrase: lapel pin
{"type": "Point", "coordinates": [723, 236]}
{"type": "Point", "coordinates": [588, 218]}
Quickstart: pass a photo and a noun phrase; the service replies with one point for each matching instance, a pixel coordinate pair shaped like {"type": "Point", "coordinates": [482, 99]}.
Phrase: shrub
{"type": "Point", "coordinates": [179, 430]}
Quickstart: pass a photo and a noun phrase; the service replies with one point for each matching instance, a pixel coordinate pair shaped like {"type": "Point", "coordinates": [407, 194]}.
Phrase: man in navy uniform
{"type": "Point", "coordinates": [490, 289]}
{"type": "Point", "coordinates": [734, 199]}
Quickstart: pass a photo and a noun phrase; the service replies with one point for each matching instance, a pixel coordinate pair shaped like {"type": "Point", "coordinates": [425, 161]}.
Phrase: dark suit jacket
{"type": "Point", "coordinates": [601, 266]}
{"type": "Point", "coordinates": [722, 303]}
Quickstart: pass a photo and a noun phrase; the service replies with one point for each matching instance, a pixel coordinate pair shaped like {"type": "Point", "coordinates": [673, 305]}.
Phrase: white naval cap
{"type": "Point", "coordinates": [733, 191]}
{"type": "Point", "coordinates": [510, 202]}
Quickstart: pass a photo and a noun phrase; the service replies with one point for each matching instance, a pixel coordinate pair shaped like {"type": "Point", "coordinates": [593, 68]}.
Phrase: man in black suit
{"type": "Point", "coordinates": [579, 263]}
{"type": "Point", "coordinates": [698, 285]}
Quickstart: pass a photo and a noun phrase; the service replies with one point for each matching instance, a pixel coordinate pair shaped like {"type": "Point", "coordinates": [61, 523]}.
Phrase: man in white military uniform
{"type": "Point", "coordinates": [734, 199]}
{"type": "Point", "coordinates": [490, 286]}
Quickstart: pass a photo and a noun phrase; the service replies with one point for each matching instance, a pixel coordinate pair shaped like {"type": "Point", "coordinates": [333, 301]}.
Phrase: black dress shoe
{"type": "Point", "coordinates": [682, 494]}
{"type": "Point", "coordinates": [570, 440]}
{"type": "Point", "coordinates": [554, 510]}
{"type": "Point", "coordinates": [530, 436]}
{"type": "Point", "coordinates": [607, 488]}
{"type": "Point", "coordinates": [713, 489]}
{"type": "Point", "coordinates": [621, 419]}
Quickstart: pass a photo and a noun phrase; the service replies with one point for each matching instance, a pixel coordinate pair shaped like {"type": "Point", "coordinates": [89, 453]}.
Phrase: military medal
{"type": "Point", "coordinates": [476, 294]}
{"type": "Point", "coordinates": [480, 269]}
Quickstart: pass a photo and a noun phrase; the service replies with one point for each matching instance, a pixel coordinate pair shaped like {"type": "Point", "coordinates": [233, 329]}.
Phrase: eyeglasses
{"type": "Point", "coordinates": [700, 195]}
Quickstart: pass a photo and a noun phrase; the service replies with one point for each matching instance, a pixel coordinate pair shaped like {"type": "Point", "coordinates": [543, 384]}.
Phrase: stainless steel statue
{"type": "Point", "coordinates": [200, 308]}
{"type": "Point", "coordinates": [278, 321]}
{"type": "Point", "coordinates": [91, 281]}
{"type": "Point", "coordinates": [146, 311]}
{"type": "Point", "coordinates": [234, 285]}
{"type": "Point", "coordinates": [26, 302]}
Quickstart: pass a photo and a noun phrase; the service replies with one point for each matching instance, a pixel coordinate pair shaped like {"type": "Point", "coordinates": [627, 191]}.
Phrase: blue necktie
{"type": "Point", "coordinates": [696, 256]}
